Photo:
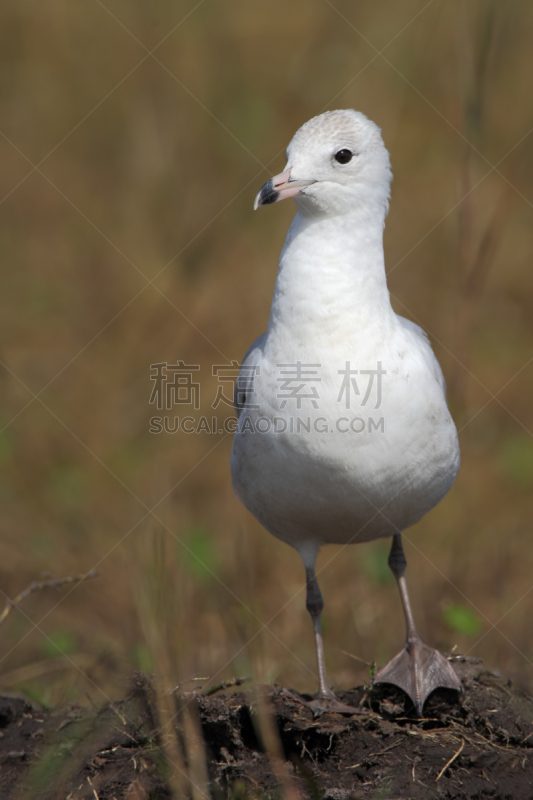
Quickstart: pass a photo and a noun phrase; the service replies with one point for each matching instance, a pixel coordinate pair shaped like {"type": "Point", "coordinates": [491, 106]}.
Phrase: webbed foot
{"type": "Point", "coordinates": [418, 670]}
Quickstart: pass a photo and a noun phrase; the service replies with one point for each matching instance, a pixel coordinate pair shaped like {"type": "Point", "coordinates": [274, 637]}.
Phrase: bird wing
{"type": "Point", "coordinates": [244, 383]}
{"type": "Point", "coordinates": [425, 346]}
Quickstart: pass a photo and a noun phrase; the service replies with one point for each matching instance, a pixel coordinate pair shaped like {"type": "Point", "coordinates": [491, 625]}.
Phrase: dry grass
{"type": "Point", "coordinates": [147, 171]}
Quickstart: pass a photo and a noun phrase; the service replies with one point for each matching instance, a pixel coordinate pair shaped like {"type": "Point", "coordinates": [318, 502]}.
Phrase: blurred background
{"type": "Point", "coordinates": [133, 139]}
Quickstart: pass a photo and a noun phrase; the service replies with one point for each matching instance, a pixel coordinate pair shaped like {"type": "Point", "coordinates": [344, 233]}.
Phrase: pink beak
{"type": "Point", "coordinates": [278, 188]}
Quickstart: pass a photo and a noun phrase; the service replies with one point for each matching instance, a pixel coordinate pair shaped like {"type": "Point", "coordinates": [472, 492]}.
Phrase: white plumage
{"type": "Point", "coordinates": [366, 446]}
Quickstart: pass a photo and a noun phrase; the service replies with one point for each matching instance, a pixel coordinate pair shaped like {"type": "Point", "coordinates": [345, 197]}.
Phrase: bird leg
{"type": "Point", "coordinates": [417, 669]}
{"type": "Point", "coordinates": [326, 699]}
{"type": "Point", "coordinates": [315, 604]}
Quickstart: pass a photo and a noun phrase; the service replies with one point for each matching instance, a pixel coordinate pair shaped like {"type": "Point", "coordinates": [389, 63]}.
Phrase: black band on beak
{"type": "Point", "coordinates": [267, 194]}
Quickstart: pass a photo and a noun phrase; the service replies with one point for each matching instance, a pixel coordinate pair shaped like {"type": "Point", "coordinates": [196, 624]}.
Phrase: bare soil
{"type": "Point", "coordinates": [478, 746]}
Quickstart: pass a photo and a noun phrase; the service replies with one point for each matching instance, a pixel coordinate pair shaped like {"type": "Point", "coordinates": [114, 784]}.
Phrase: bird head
{"type": "Point", "coordinates": [336, 162]}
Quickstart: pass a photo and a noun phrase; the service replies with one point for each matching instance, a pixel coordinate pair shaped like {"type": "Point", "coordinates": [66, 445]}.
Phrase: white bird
{"type": "Point", "coordinates": [344, 434]}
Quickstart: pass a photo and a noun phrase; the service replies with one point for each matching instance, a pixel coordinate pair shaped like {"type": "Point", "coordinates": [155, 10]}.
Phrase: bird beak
{"type": "Point", "coordinates": [278, 188]}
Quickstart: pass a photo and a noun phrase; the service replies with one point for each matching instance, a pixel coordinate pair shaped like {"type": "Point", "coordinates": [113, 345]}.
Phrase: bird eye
{"type": "Point", "coordinates": [343, 156]}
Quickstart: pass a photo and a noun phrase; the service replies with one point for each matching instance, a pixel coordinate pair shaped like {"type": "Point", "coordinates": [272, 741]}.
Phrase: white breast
{"type": "Point", "coordinates": [314, 469]}
{"type": "Point", "coordinates": [337, 474]}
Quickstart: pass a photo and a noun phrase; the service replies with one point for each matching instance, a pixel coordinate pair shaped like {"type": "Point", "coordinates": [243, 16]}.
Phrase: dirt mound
{"type": "Point", "coordinates": [270, 743]}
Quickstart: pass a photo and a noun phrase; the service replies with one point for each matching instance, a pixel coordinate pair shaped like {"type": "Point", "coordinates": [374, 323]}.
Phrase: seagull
{"type": "Point", "coordinates": [343, 434]}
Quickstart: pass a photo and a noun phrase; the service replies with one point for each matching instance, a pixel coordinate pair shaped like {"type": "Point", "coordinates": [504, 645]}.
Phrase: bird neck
{"type": "Point", "coordinates": [331, 275]}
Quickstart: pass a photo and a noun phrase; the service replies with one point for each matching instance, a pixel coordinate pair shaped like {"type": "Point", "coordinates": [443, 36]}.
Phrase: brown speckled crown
{"type": "Point", "coordinates": [335, 123]}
